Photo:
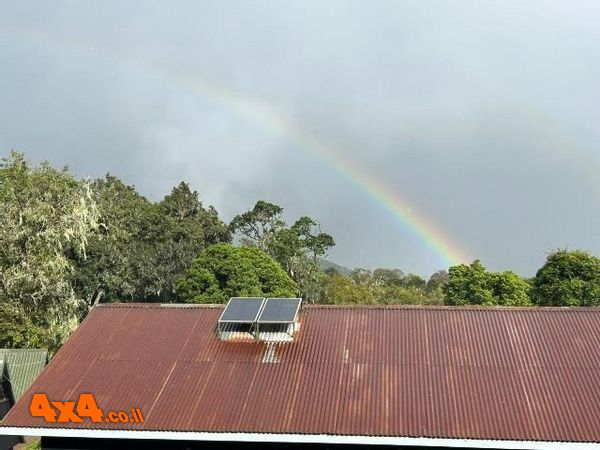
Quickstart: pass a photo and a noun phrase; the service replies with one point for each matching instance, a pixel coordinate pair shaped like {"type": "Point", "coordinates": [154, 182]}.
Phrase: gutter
{"type": "Point", "coordinates": [295, 438]}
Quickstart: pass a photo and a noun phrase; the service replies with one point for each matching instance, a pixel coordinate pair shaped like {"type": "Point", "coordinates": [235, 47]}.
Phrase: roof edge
{"type": "Point", "coordinates": [160, 305]}
{"type": "Point", "coordinates": [358, 307]}
{"type": "Point", "coordinates": [293, 438]}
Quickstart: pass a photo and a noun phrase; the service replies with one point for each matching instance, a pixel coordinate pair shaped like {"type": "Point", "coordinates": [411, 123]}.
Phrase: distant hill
{"type": "Point", "coordinates": [325, 264]}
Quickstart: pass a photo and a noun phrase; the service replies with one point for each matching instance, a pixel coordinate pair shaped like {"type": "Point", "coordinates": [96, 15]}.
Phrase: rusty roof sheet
{"type": "Point", "coordinates": [480, 373]}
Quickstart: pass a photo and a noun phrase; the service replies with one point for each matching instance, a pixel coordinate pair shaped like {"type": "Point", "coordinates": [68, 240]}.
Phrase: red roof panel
{"type": "Point", "coordinates": [482, 373]}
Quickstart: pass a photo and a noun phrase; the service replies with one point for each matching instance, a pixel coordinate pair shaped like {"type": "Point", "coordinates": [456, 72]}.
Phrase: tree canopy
{"type": "Point", "coordinates": [223, 271]}
{"type": "Point", "coordinates": [568, 278]}
{"type": "Point", "coordinates": [380, 286]}
{"type": "Point", "coordinates": [257, 225]}
{"type": "Point", "coordinates": [296, 248]}
{"type": "Point", "coordinates": [142, 248]}
{"type": "Point", "coordinates": [474, 285]}
{"type": "Point", "coordinates": [46, 222]}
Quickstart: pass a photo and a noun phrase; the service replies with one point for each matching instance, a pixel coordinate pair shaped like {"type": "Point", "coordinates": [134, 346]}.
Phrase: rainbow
{"type": "Point", "coordinates": [391, 200]}
{"type": "Point", "coordinates": [258, 112]}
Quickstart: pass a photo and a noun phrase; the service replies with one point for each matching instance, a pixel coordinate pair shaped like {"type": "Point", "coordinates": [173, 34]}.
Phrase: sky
{"type": "Point", "coordinates": [418, 133]}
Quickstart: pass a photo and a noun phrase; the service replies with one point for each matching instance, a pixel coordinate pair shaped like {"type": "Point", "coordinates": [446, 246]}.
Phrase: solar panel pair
{"type": "Point", "coordinates": [257, 309]}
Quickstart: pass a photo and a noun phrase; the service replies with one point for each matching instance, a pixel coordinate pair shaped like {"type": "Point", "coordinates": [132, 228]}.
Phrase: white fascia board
{"type": "Point", "coordinates": [294, 438]}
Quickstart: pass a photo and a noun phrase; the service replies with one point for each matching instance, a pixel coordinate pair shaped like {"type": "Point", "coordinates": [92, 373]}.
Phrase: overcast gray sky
{"type": "Point", "coordinates": [480, 117]}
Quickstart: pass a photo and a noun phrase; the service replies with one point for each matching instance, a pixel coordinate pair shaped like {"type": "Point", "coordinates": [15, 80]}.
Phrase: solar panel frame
{"type": "Point", "coordinates": [274, 300]}
{"type": "Point", "coordinates": [257, 301]}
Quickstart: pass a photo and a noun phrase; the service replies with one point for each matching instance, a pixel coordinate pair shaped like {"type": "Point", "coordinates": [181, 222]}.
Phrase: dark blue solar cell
{"type": "Point", "coordinates": [280, 310]}
{"type": "Point", "coordinates": [242, 309]}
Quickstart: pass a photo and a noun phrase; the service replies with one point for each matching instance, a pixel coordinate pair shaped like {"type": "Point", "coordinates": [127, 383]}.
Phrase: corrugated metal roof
{"type": "Point", "coordinates": [477, 373]}
{"type": "Point", "coordinates": [22, 367]}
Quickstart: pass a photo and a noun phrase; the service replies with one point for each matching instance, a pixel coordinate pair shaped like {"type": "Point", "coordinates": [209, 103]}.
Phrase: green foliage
{"type": "Point", "coordinates": [468, 285]}
{"type": "Point", "coordinates": [115, 253]}
{"type": "Point", "coordinates": [339, 290]}
{"type": "Point", "coordinates": [257, 225]}
{"type": "Point", "coordinates": [568, 278]}
{"type": "Point", "coordinates": [184, 229]}
{"type": "Point", "coordinates": [474, 285]}
{"type": "Point", "coordinates": [413, 281]}
{"type": "Point", "coordinates": [17, 329]}
{"type": "Point", "coordinates": [143, 248]}
{"type": "Point", "coordinates": [201, 227]}
{"type": "Point", "coordinates": [35, 445]}
{"type": "Point", "coordinates": [410, 295]}
{"type": "Point", "coordinates": [298, 248]}
{"type": "Point", "coordinates": [223, 271]}
{"type": "Point", "coordinates": [65, 244]}
{"type": "Point", "coordinates": [509, 289]}
{"type": "Point", "coordinates": [46, 221]}
{"type": "Point", "coordinates": [382, 286]}
{"type": "Point", "coordinates": [437, 280]}
{"type": "Point", "coordinates": [387, 276]}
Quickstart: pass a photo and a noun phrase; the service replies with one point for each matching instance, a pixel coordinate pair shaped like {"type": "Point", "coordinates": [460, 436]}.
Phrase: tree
{"type": "Point", "coordinates": [296, 248]}
{"type": "Point", "coordinates": [409, 295]}
{"type": "Point", "coordinates": [223, 271]}
{"type": "Point", "coordinates": [437, 280]}
{"type": "Point", "coordinates": [111, 272]}
{"type": "Point", "coordinates": [474, 285]}
{"type": "Point", "coordinates": [258, 224]}
{"type": "Point", "coordinates": [382, 286]}
{"type": "Point", "coordinates": [342, 290]}
{"type": "Point", "coordinates": [143, 248]}
{"type": "Point", "coordinates": [46, 221]}
{"type": "Point", "coordinates": [192, 219]}
{"type": "Point", "coordinates": [186, 228]}
{"type": "Point", "coordinates": [468, 285]}
{"type": "Point", "coordinates": [568, 278]}
{"type": "Point", "coordinates": [310, 239]}
{"type": "Point", "coordinates": [18, 330]}
{"type": "Point", "coordinates": [509, 289]}
{"type": "Point", "coordinates": [364, 277]}
{"type": "Point", "coordinates": [387, 276]}
{"type": "Point", "coordinates": [412, 281]}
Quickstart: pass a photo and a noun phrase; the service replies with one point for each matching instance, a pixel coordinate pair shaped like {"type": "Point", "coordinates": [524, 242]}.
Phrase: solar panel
{"type": "Point", "coordinates": [242, 309]}
{"type": "Point", "coordinates": [277, 310]}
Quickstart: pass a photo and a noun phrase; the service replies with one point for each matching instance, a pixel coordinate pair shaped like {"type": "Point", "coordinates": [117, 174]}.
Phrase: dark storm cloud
{"type": "Point", "coordinates": [482, 115]}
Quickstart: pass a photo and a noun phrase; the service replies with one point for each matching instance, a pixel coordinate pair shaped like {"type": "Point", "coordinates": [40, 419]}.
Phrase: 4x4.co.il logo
{"type": "Point", "coordinates": [85, 407]}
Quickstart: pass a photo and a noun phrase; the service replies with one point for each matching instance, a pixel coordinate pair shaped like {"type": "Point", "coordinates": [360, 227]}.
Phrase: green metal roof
{"type": "Point", "coordinates": [21, 367]}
